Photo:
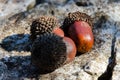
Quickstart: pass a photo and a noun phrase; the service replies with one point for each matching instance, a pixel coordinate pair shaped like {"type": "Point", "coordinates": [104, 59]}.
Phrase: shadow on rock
{"type": "Point", "coordinates": [39, 1]}
{"type": "Point", "coordinates": [17, 42]}
{"type": "Point", "coordinates": [20, 67]}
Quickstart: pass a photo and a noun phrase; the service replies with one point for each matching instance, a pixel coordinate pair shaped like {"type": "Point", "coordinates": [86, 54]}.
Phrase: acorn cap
{"type": "Point", "coordinates": [48, 52]}
{"type": "Point", "coordinates": [76, 16]}
{"type": "Point", "coordinates": [42, 25]}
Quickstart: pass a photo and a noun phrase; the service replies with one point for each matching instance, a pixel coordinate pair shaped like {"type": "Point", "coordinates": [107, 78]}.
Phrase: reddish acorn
{"type": "Point", "coordinates": [42, 25]}
{"type": "Point", "coordinates": [82, 34]}
{"type": "Point", "coordinates": [51, 51]}
{"type": "Point", "coordinates": [71, 49]}
{"type": "Point", "coordinates": [58, 31]}
{"type": "Point", "coordinates": [78, 26]}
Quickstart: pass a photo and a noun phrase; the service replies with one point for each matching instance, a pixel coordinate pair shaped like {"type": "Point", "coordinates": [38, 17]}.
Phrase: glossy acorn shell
{"type": "Point", "coordinates": [71, 49]}
{"type": "Point", "coordinates": [82, 35]}
{"type": "Point", "coordinates": [58, 31]}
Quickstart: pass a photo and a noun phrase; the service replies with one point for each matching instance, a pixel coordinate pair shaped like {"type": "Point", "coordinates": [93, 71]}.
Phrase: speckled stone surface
{"type": "Point", "coordinates": [15, 43]}
{"type": "Point", "coordinates": [9, 8]}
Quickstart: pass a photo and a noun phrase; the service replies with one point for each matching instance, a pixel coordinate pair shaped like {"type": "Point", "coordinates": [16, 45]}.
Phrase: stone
{"type": "Point", "coordinates": [57, 2]}
{"type": "Point", "coordinates": [88, 66]}
{"type": "Point", "coordinates": [94, 67]}
{"type": "Point", "coordinates": [11, 7]}
{"type": "Point", "coordinates": [90, 2]}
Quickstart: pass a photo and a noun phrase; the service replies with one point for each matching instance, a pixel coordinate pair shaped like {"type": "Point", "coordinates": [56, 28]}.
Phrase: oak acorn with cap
{"type": "Point", "coordinates": [78, 26]}
{"type": "Point", "coordinates": [51, 51]}
{"type": "Point", "coordinates": [44, 24]}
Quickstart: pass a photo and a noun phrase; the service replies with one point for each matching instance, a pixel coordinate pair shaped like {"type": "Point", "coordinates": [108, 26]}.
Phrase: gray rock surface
{"type": "Point", "coordinates": [9, 8]}
{"type": "Point", "coordinates": [15, 53]}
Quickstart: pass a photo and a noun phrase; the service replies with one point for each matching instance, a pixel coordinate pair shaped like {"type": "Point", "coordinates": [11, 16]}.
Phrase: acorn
{"type": "Point", "coordinates": [58, 31]}
{"type": "Point", "coordinates": [49, 52]}
{"type": "Point", "coordinates": [44, 24]}
{"type": "Point", "coordinates": [71, 49]}
{"type": "Point", "coordinates": [78, 26]}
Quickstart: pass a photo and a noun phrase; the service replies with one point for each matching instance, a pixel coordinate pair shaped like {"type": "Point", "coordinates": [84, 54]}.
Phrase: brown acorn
{"type": "Point", "coordinates": [44, 24]}
{"type": "Point", "coordinates": [58, 31]}
{"type": "Point", "coordinates": [51, 51]}
{"type": "Point", "coordinates": [71, 49]}
{"type": "Point", "coordinates": [78, 26]}
{"type": "Point", "coordinates": [75, 16]}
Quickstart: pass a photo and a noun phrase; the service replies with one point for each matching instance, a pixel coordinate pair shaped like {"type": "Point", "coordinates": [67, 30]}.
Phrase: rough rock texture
{"type": "Point", "coordinates": [15, 44]}
{"type": "Point", "coordinates": [11, 7]}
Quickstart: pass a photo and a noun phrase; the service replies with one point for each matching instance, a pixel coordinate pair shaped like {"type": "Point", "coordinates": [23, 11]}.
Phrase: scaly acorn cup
{"type": "Point", "coordinates": [78, 26]}
{"type": "Point", "coordinates": [49, 52]}
{"type": "Point", "coordinates": [44, 24]}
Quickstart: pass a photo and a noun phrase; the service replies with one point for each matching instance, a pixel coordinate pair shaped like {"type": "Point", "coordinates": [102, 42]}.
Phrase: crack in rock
{"type": "Point", "coordinates": [107, 75]}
